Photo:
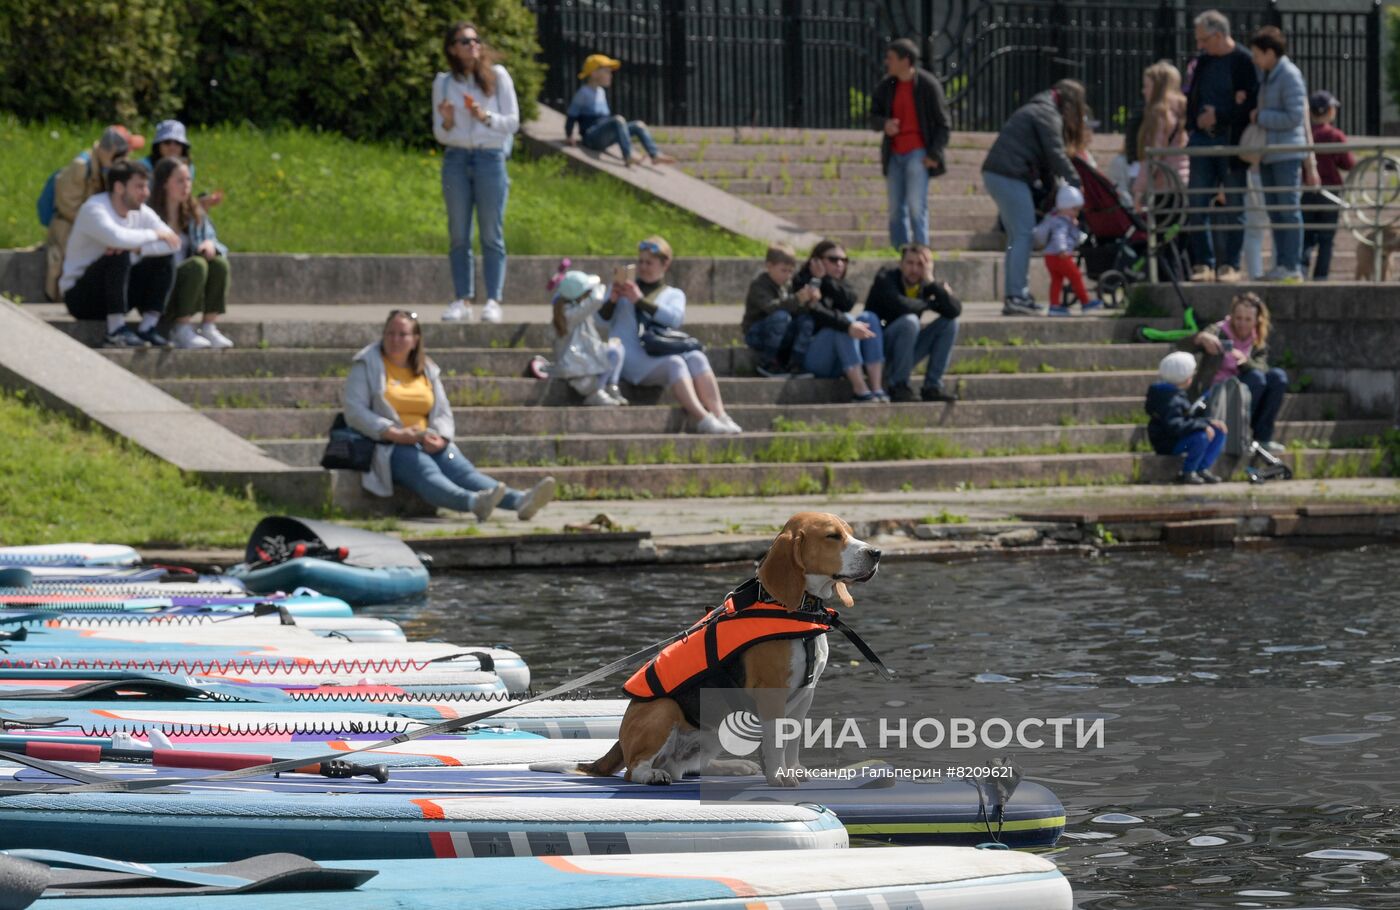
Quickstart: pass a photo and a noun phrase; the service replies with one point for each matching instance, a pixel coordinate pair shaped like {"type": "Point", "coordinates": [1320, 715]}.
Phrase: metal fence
{"type": "Point", "coordinates": [813, 63]}
{"type": "Point", "coordinates": [1366, 202]}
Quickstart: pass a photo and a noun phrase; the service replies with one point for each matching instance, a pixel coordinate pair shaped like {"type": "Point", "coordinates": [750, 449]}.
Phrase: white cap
{"type": "Point", "coordinates": [171, 130]}
{"type": "Point", "coordinates": [1177, 367]}
{"type": "Point", "coordinates": [1068, 197]}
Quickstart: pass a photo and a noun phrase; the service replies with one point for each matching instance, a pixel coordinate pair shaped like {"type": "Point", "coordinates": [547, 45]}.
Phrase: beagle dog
{"type": "Point", "coordinates": [815, 554]}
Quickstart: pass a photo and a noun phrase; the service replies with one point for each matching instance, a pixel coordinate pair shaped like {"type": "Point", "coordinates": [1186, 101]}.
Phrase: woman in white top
{"type": "Point", "coordinates": [475, 113]}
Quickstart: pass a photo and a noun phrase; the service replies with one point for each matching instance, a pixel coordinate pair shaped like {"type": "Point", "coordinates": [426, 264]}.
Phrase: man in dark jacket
{"type": "Point", "coordinates": [908, 107]}
{"type": "Point", "coordinates": [1223, 90]}
{"type": "Point", "coordinates": [900, 296]}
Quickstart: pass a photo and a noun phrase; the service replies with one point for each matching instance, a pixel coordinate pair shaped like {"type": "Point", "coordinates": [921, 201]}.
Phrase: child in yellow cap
{"type": "Point", "coordinates": [598, 127]}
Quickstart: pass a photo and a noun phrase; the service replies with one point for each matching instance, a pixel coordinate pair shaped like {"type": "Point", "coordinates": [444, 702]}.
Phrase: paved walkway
{"type": "Point", "coordinates": [761, 515]}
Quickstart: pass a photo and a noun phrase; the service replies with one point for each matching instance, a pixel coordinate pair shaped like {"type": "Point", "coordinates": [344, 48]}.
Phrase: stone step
{"type": "Point", "coordinates": [274, 423]}
{"type": "Point", "coordinates": [471, 391]}
{"type": "Point", "coordinates": [777, 448]}
{"type": "Point", "coordinates": [939, 240]}
{"type": "Point", "coordinates": [847, 188]}
{"type": "Point", "coordinates": [253, 363]}
{"type": "Point", "coordinates": [791, 136]}
{"type": "Point", "coordinates": [869, 153]}
{"type": "Point", "coordinates": [872, 219]}
{"type": "Point", "coordinates": [351, 336]}
{"type": "Point", "coordinates": [939, 206]}
{"type": "Point", "coordinates": [710, 171]}
{"type": "Point", "coordinates": [835, 478]}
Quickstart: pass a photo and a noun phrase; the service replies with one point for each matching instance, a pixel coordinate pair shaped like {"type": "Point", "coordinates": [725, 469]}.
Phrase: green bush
{"type": "Point", "coordinates": [363, 69]}
{"type": "Point", "coordinates": [1392, 60]}
{"type": "Point", "coordinates": [90, 59]}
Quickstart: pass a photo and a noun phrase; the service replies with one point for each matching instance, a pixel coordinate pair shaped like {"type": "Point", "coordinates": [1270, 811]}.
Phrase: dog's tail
{"type": "Point", "coordinates": [606, 766]}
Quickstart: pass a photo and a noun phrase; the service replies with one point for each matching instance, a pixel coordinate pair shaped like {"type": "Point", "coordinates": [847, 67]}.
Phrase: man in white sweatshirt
{"type": "Point", "coordinates": [118, 258]}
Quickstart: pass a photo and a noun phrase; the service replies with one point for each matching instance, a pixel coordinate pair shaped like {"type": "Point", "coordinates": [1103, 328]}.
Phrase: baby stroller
{"type": "Point", "coordinates": [1115, 254]}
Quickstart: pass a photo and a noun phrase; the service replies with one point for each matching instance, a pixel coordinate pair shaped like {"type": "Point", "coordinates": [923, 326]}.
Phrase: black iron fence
{"type": "Point", "coordinates": [812, 63]}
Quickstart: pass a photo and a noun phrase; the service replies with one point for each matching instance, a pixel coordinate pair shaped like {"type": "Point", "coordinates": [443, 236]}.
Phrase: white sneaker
{"type": "Point", "coordinates": [491, 312]}
{"type": "Point", "coordinates": [713, 426]}
{"type": "Point", "coordinates": [535, 498]}
{"type": "Point", "coordinates": [486, 501]}
{"type": "Point", "coordinates": [731, 425]}
{"type": "Point", "coordinates": [210, 331]}
{"type": "Point", "coordinates": [600, 399]}
{"type": "Point", "coordinates": [187, 339]}
{"type": "Point", "coordinates": [616, 394]}
{"type": "Point", "coordinates": [459, 311]}
{"type": "Point", "coordinates": [1279, 273]}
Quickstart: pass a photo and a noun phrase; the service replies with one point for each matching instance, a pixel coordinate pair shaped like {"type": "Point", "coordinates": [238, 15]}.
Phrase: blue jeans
{"type": "Point", "coordinates": [616, 130]}
{"type": "Point", "coordinates": [906, 344]}
{"type": "Point", "coordinates": [1207, 174]}
{"type": "Point", "coordinates": [833, 352]}
{"type": "Point", "coordinates": [1319, 237]}
{"type": "Point", "coordinates": [1288, 223]}
{"type": "Point", "coordinates": [1017, 209]}
{"type": "Point", "coordinates": [1200, 453]}
{"type": "Point", "coordinates": [766, 336]}
{"type": "Point", "coordinates": [475, 179]}
{"type": "Point", "coordinates": [446, 480]}
{"type": "Point", "coordinates": [1266, 392]}
{"type": "Point", "coordinates": [907, 184]}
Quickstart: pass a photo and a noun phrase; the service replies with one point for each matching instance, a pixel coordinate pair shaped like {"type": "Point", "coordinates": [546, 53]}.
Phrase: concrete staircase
{"type": "Point", "coordinates": [829, 182]}
{"type": "Point", "coordinates": [1043, 402]}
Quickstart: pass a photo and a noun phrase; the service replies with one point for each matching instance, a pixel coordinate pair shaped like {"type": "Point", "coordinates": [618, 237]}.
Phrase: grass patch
{"type": "Point", "coordinates": [59, 482]}
{"type": "Point", "coordinates": [984, 363]}
{"type": "Point", "coordinates": [299, 191]}
{"type": "Point", "coordinates": [944, 517]}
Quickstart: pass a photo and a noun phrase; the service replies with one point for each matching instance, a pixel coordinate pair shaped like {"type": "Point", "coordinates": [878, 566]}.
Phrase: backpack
{"type": "Point", "coordinates": [1230, 401]}
{"type": "Point", "coordinates": [45, 204]}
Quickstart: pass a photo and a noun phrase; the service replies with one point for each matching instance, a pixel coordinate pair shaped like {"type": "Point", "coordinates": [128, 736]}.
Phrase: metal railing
{"type": "Point", "coordinates": [1367, 200]}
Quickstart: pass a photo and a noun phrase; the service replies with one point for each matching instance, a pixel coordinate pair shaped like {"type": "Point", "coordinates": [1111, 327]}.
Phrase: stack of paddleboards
{"type": "Point", "coordinates": [136, 726]}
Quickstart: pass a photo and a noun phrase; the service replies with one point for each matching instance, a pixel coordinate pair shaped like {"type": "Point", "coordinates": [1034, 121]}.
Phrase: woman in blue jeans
{"type": "Point", "coordinates": [840, 343]}
{"type": "Point", "coordinates": [1027, 157]}
{"type": "Point", "coordinates": [1283, 113]}
{"type": "Point", "coordinates": [394, 394]}
{"type": "Point", "coordinates": [475, 114]}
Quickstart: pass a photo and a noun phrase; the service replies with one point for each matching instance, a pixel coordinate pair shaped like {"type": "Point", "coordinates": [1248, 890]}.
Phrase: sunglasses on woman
{"type": "Point", "coordinates": [468, 42]}
{"type": "Point", "coordinates": [648, 246]}
{"type": "Point", "coordinates": [836, 260]}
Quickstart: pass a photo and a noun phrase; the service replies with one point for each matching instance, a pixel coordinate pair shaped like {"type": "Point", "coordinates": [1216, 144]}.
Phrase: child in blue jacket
{"type": "Point", "coordinates": [1174, 429]}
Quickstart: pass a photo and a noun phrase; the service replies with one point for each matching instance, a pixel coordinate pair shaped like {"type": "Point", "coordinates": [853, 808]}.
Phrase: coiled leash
{"type": "Point", "coordinates": [446, 726]}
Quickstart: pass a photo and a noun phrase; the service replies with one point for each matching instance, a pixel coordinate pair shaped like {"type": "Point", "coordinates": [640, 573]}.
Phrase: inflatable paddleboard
{"type": "Point", "coordinates": [930, 878]}
{"type": "Point", "coordinates": [358, 566]}
{"type": "Point", "coordinates": [217, 827]}
{"type": "Point", "coordinates": [155, 598]}
{"type": "Point", "coordinates": [69, 555]}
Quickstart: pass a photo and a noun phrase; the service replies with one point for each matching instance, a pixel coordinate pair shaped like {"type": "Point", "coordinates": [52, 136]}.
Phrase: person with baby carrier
{"type": "Point", "coordinates": [589, 364]}
{"type": "Point", "coordinates": [1060, 235]}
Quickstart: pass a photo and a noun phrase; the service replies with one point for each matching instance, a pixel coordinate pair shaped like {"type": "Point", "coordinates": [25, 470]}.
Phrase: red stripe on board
{"type": "Point", "coordinates": [442, 845]}
{"type": "Point", "coordinates": [430, 809]}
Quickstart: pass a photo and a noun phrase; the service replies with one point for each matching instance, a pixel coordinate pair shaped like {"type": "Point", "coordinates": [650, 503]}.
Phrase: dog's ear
{"type": "Point", "coordinates": [782, 573]}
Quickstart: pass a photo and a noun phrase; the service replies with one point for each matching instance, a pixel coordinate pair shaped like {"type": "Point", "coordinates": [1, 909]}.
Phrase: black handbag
{"type": "Point", "coordinates": [663, 341]}
{"type": "Point", "coordinates": [348, 449]}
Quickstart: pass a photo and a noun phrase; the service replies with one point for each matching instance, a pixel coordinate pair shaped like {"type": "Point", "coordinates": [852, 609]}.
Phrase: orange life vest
{"type": "Point", "coordinates": [745, 618]}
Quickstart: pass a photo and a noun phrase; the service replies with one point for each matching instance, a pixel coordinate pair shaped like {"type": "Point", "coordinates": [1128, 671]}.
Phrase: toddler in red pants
{"type": "Point", "coordinates": [1059, 234]}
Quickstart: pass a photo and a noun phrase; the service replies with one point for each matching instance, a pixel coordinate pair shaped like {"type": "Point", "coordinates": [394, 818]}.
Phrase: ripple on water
{"type": "Point", "coordinates": [1150, 680]}
{"type": "Point", "coordinates": [1116, 818]}
{"type": "Point", "coordinates": [994, 678]}
{"type": "Point", "coordinates": [1338, 739]}
{"type": "Point", "coordinates": [1349, 856]}
{"type": "Point", "coordinates": [1207, 840]}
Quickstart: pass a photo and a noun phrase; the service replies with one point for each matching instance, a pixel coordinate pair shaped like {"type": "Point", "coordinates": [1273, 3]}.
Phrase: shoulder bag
{"type": "Point", "coordinates": [348, 449]}
{"type": "Point", "coordinates": [661, 340]}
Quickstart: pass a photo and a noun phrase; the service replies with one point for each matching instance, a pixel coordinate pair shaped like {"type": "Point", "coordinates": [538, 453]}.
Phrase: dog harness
{"type": "Point", "coordinates": [748, 616]}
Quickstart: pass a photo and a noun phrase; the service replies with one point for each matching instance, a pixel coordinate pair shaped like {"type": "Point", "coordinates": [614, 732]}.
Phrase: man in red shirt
{"type": "Point", "coordinates": [909, 108]}
{"type": "Point", "coordinates": [1322, 223]}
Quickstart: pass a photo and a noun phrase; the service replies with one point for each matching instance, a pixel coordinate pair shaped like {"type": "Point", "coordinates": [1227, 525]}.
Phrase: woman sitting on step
{"type": "Point", "coordinates": [394, 394]}
{"type": "Point", "coordinates": [841, 344]}
{"type": "Point", "coordinates": [1237, 347]}
{"type": "Point", "coordinates": [648, 299]}
{"type": "Point", "coordinates": [201, 271]}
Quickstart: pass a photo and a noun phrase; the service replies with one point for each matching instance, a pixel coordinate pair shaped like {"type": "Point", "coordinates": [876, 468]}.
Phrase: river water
{"type": "Point", "coordinates": [1251, 761]}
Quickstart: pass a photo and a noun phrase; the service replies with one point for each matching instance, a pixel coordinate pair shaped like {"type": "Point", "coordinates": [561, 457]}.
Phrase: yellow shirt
{"type": "Point", "coordinates": [410, 396]}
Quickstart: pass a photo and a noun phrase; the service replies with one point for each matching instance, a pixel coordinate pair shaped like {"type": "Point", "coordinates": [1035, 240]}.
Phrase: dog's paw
{"type": "Point", "coordinates": [733, 767]}
{"type": "Point", "coordinates": [782, 780]}
{"type": "Point", "coordinates": [653, 776]}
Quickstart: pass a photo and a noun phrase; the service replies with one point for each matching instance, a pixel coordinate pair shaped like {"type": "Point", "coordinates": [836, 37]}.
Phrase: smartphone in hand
{"type": "Point", "coordinates": [625, 273]}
